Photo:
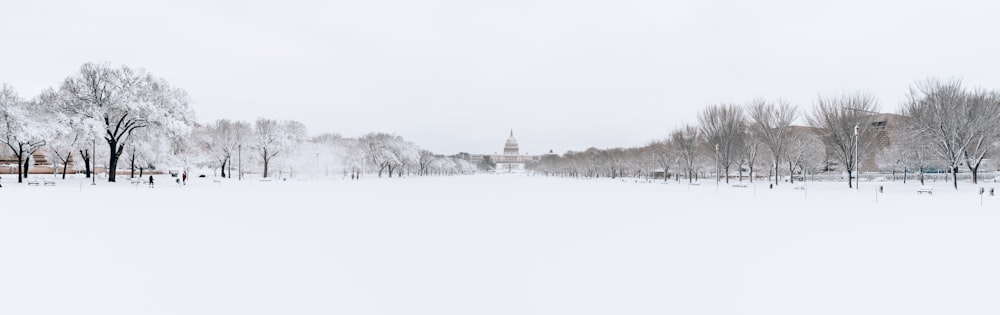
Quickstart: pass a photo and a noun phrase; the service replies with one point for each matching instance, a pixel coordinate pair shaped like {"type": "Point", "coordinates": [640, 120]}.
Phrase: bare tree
{"type": "Point", "coordinates": [686, 142]}
{"type": "Point", "coordinates": [724, 129]}
{"type": "Point", "coordinates": [985, 105]}
{"type": "Point", "coordinates": [845, 126]}
{"type": "Point", "coordinates": [751, 148]}
{"type": "Point", "coordinates": [957, 124]}
{"type": "Point", "coordinates": [663, 155]}
{"type": "Point", "coordinates": [893, 157]}
{"type": "Point", "coordinates": [770, 122]}
{"type": "Point", "coordinates": [804, 148]}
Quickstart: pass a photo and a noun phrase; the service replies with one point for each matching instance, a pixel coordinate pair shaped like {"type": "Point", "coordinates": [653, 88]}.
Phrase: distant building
{"type": "Point", "coordinates": [37, 165]}
{"type": "Point", "coordinates": [881, 124]}
{"type": "Point", "coordinates": [511, 161]}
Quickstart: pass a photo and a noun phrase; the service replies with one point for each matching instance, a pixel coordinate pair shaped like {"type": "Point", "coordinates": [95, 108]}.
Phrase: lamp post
{"type": "Point", "coordinates": [93, 160]}
{"type": "Point", "coordinates": [677, 161]}
{"type": "Point", "coordinates": [857, 158]}
{"type": "Point", "coordinates": [239, 156]}
{"type": "Point", "coordinates": [717, 167]}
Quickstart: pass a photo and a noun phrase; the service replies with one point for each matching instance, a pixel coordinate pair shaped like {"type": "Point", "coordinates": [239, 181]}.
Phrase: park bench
{"type": "Point", "coordinates": [740, 185]}
{"type": "Point", "coordinates": [32, 182]}
{"type": "Point", "coordinates": [694, 184]}
{"type": "Point", "coordinates": [137, 181]}
{"type": "Point", "coordinates": [49, 182]}
{"type": "Point", "coordinates": [800, 186]}
{"type": "Point", "coordinates": [925, 189]}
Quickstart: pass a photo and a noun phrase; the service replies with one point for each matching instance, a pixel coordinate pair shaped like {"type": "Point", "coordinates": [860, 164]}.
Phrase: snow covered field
{"type": "Point", "coordinates": [490, 244]}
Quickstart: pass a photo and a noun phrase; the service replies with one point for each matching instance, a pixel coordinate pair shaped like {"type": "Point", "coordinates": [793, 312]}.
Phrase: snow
{"type": "Point", "coordinates": [495, 244]}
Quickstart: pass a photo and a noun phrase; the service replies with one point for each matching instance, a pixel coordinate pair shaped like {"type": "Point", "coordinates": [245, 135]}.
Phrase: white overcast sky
{"type": "Point", "coordinates": [457, 75]}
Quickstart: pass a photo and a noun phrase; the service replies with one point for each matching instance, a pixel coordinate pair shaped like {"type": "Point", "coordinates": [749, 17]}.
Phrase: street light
{"type": "Point", "coordinates": [93, 158]}
{"type": "Point", "coordinates": [857, 158]}
{"type": "Point", "coordinates": [717, 167]}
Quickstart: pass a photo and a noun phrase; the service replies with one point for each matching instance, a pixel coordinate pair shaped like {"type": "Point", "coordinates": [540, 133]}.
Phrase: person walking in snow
{"type": "Point", "coordinates": [184, 178]}
{"type": "Point", "coordinates": [150, 181]}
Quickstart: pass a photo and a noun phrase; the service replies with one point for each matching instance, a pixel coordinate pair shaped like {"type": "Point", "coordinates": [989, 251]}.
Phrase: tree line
{"type": "Point", "coordinates": [942, 125]}
{"type": "Point", "coordinates": [128, 115]}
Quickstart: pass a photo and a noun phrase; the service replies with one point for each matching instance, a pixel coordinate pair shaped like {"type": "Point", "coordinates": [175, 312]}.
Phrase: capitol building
{"type": "Point", "coordinates": [511, 161]}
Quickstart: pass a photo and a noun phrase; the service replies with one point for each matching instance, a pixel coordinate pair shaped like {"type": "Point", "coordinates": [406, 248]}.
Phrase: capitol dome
{"type": "Point", "coordinates": [510, 148]}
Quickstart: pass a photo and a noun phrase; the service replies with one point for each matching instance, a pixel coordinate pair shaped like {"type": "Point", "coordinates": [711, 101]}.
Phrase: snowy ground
{"type": "Point", "coordinates": [492, 244]}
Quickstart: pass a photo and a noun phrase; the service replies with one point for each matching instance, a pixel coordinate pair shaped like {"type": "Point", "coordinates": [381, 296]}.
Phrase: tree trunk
{"type": "Point", "coordinates": [65, 165]}
{"type": "Point", "coordinates": [27, 160]}
{"type": "Point", "coordinates": [975, 174]}
{"type": "Point", "coordinates": [751, 173]}
{"type": "Point", "coordinates": [223, 168]}
{"type": "Point", "coordinates": [132, 162]}
{"type": "Point", "coordinates": [265, 166]}
{"type": "Point", "coordinates": [954, 176]}
{"type": "Point", "coordinates": [113, 159]}
{"type": "Point", "coordinates": [20, 156]}
{"type": "Point", "coordinates": [791, 173]}
{"type": "Point", "coordinates": [86, 161]}
{"type": "Point", "coordinates": [904, 174]}
{"type": "Point", "coordinates": [850, 179]}
{"type": "Point", "coordinates": [776, 172]}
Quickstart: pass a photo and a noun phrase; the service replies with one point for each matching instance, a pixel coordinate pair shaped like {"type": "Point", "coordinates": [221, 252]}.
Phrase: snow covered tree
{"type": "Point", "coordinates": [70, 137]}
{"type": "Point", "coordinates": [117, 102]}
{"type": "Point", "coordinates": [271, 137]}
{"type": "Point", "coordinates": [407, 154]}
{"type": "Point", "coordinates": [25, 126]}
{"type": "Point", "coordinates": [221, 141]}
{"type": "Point", "coordinates": [147, 147]}
{"type": "Point", "coordinates": [424, 163]}
{"type": "Point", "coordinates": [377, 148]}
